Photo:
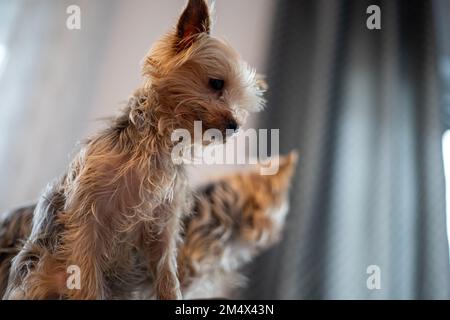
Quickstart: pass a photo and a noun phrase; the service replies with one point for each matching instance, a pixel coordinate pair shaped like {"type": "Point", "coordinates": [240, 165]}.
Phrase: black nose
{"type": "Point", "coordinates": [232, 125]}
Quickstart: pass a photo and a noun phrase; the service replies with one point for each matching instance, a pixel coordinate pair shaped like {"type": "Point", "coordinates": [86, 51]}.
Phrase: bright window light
{"type": "Point", "coordinates": [2, 57]}
{"type": "Point", "coordinates": [446, 156]}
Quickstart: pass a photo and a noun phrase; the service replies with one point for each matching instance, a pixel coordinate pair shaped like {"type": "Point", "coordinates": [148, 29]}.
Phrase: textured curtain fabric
{"type": "Point", "coordinates": [362, 108]}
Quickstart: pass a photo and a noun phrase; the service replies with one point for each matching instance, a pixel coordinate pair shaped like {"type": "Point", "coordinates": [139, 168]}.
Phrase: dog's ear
{"type": "Point", "coordinates": [261, 83]}
{"type": "Point", "coordinates": [193, 21]}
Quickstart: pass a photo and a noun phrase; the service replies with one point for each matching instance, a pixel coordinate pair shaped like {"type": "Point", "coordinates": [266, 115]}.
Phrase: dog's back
{"type": "Point", "coordinates": [15, 226]}
{"type": "Point", "coordinates": [234, 219]}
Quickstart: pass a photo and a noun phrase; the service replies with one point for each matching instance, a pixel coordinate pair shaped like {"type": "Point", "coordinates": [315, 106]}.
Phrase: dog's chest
{"type": "Point", "coordinates": [132, 273]}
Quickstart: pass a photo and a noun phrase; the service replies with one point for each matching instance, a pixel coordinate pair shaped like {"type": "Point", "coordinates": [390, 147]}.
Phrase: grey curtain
{"type": "Point", "coordinates": [362, 108]}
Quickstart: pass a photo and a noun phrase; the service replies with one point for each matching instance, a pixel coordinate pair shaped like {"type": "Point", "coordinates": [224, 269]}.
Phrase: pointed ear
{"type": "Point", "coordinates": [193, 21]}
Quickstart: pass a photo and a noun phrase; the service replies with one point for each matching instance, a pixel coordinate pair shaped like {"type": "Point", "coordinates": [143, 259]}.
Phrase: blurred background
{"type": "Point", "coordinates": [367, 110]}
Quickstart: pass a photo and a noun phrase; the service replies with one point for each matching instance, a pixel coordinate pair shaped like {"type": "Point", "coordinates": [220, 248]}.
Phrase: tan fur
{"type": "Point", "coordinates": [15, 227]}
{"type": "Point", "coordinates": [116, 212]}
{"type": "Point", "coordinates": [241, 214]}
{"type": "Point", "coordinates": [234, 220]}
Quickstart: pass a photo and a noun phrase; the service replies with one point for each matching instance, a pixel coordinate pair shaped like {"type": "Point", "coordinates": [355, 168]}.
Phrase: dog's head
{"type": "Point", "coordinates": [200, 78]}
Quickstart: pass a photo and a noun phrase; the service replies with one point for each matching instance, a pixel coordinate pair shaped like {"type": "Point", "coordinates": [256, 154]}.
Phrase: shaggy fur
{"type": "Point", "coordinates": [15, 227]}
{"type": "Point", "coordinates": [233, 219]}
{"type": "Point", "coordinates": [116, 212]}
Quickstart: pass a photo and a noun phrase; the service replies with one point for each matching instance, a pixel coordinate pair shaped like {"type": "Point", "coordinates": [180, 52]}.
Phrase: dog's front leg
{"type": "Point", "coordinates": [163, 254]}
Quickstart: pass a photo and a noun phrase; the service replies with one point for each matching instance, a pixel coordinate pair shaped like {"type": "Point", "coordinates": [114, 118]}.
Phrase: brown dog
{"type": "Point", "coordinates": [233, 220]}
{"type": "Point", "coordinates": [115, 214]}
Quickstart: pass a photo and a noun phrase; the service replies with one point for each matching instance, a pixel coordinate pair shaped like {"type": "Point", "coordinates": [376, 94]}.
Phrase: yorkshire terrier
{"type": "Point", "coordinates": [233, 219]}
{"type": "Point", "coordinates": [116, 212]}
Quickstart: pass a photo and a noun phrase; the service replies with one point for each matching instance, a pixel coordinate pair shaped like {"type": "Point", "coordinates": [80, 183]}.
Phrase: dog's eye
{"type": "Point", "coordinates": [216, 84]}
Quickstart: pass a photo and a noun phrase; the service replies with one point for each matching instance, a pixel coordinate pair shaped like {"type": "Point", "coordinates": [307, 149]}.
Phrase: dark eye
{"type": "Point", "coordinates": [216, 84]}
